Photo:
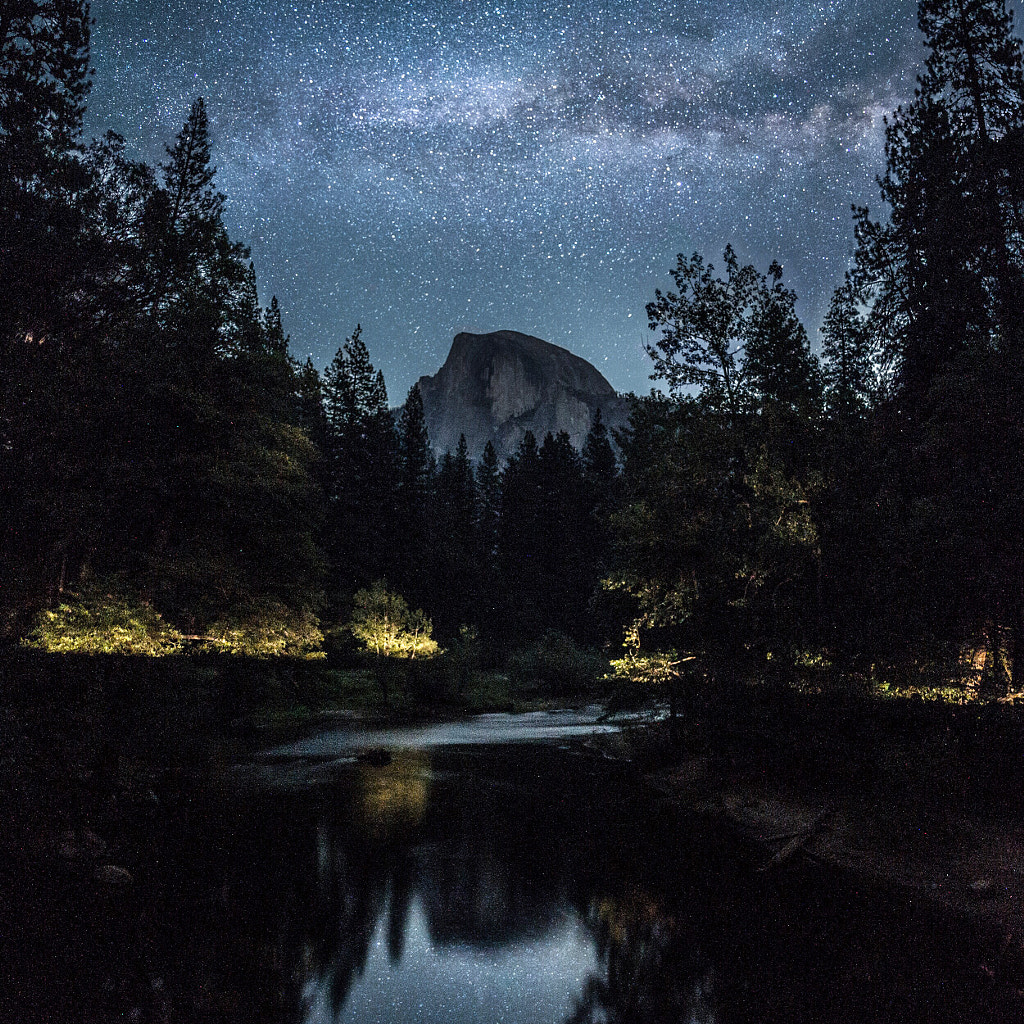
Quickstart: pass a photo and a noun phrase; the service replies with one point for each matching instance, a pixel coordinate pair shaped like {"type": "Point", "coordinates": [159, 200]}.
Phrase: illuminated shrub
{"type": "Point", "coordinates": [268, 630]}
{"type": "Point", "coordinates": [101, 623]}
{"type": "Point", "coordinates": [384, 624]}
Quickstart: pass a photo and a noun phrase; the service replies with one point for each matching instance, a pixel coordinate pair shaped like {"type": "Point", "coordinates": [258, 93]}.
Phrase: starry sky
{"type": "Point", "coordinates": [425, 167]}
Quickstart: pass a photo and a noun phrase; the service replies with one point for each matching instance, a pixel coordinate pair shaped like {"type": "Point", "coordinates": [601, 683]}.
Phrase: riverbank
{"type": "Point", "coordinates": [926, 798]}
{"type": "Point", "coordinates": [92, 748]}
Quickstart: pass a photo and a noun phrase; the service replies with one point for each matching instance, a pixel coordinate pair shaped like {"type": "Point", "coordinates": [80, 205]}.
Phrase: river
{"type": "Point", "coordinates": [494, 871]}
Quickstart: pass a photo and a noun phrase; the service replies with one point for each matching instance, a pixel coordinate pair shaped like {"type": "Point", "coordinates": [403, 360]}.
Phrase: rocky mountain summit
{"type": "Point", "coordinates": [496, 387]}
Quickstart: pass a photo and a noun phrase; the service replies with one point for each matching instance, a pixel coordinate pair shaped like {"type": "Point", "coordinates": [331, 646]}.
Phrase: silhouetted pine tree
{"type": "Point", "coordinates": [53, 379]}
{"type": "Point", "coordinates": [456, 570]}
{"type": "Point", "coordinates": [519, 552]}
{"type": "Point", "coordinates": [945, 279]}
{"type": "Point", "coordinates": [488, 491]}
{"type": "Point", "coordinates": [564, 535]}
{"type": "Point", "coordinates": [849, 371]}
{"type": "Point", "coordinates": [778, 366]}
{"type": "Point", "coordinates": [309, 412]}
{"type": "Point", "coordinates": [44, 82]}
{"type": "Point", "coordinates": [361, 466]}
{"type": "Point", "coordinates": [945, 271]}
{"type": "Point", "coordinates": [415, 481]}
{"type": "Point", "coordinates": [602, 484]}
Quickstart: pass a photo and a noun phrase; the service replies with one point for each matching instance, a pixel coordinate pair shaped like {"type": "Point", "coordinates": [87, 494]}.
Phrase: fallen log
{"type": "Point", "coordinates": [799, 841]}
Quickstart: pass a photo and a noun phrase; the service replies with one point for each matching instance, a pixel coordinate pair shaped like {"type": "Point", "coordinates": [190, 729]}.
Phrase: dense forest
{"type": "Point", "coordinates": [171, 478]}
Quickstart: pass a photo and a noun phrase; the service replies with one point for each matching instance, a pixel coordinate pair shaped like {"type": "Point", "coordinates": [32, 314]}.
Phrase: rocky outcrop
{"type": "Point", "coordinates": [496, 387]}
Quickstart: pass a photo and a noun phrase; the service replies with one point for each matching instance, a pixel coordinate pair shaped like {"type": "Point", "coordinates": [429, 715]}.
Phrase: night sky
{"type": "Point", "coordinates": [435, 166]}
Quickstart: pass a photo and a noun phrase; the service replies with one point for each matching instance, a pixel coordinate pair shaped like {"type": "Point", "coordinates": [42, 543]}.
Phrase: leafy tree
{"type": "Point", "coordinates": [716, 541]}
{"type": "Point", "coordinates": [682, 535]}
{"type": "Point", "coordinates": [704, 326]}
{"type": "Point", "coordinates": [265, 629]}
{"type": "Point", "coordinates": [383, 622]}
{"type": "Point", "coordinates": [100, 622]}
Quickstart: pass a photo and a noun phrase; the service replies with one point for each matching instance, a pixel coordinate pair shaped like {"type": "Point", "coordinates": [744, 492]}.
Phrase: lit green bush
{"type": "Point", "coordinates": [649, 669]}
{"type": "Point", "coordinates": [267, 630]}
{"type": "Point", "coordinates": [385, 625]}
{"type": "Point", "coordinates": [99, 623]}
{"type": "Point", "coordinates": [654, 669]}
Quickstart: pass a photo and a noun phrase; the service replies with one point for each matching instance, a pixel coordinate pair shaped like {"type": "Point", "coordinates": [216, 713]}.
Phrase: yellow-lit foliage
{"type": "Point", "coordinates": [656, 668]}
{"type": "Point", "coordinates": [103, 623]}
{"type": "Point", "coordinates": [383, 622]}
{"type": "Point", "coordinates": [268, 630]}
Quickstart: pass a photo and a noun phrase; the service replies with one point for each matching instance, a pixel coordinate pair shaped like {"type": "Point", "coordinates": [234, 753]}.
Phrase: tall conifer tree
{"type": "Point", "coordinates": [488, 491]}
{"type": "Point", "coordinates": [361, 468]}
{"type": "Point", "coordinates": [456, 570]}
{"type": "Point", "coordinates": [416, 467]}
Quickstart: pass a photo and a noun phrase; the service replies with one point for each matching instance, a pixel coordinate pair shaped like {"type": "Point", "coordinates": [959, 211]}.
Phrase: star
{"type": "Point", "coordinates": [424, 168]}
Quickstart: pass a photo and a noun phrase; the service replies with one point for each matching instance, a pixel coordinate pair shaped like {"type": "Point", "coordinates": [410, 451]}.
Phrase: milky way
{"type": "Point", "coordinates": [430, 167]}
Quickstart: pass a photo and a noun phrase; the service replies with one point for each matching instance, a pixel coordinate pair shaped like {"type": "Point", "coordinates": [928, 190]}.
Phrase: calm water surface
{"type": "Point", "coordinates": [454, 881]}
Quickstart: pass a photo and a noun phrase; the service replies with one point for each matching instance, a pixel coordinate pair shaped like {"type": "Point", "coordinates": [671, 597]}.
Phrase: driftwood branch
{"type": "Point", "coordinates": [799, 839]}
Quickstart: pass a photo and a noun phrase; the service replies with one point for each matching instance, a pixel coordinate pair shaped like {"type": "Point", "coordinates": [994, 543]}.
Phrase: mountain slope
{"type": "Point", "coordinates": [496, 387]}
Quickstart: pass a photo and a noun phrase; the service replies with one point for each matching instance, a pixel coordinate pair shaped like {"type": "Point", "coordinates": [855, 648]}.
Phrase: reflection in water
{"type": "Point", "coordinates": [516, 884]}
{"type": "Point", "coordinates": [462, 907]}
{"type": "Point", "coordinates": [526, 981]}
{"type": "Point", "coordinates": [521, 885]}
{"type": "Point", "coordinates": [646, 972]}
{"type": "Point", "coordinates": [394, 795]}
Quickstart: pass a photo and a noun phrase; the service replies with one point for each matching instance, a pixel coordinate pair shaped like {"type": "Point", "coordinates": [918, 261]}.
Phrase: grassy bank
{"type": "Point", "coordinates": [75, 729]}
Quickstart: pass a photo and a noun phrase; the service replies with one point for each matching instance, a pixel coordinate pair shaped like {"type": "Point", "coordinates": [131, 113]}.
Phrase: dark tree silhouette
{"type": "Point", "coordinates": [361, 463]}
{"type": "Point", "coordinates": [415, 480]}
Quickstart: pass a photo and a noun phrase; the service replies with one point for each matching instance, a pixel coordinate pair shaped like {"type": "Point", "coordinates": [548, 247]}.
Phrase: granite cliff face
{"type": "Point", "coordinates": [496, 387]}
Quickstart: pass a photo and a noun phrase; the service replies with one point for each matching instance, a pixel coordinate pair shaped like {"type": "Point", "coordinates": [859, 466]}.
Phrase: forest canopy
{"type": "Point", "coordinates": [169, 469]}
